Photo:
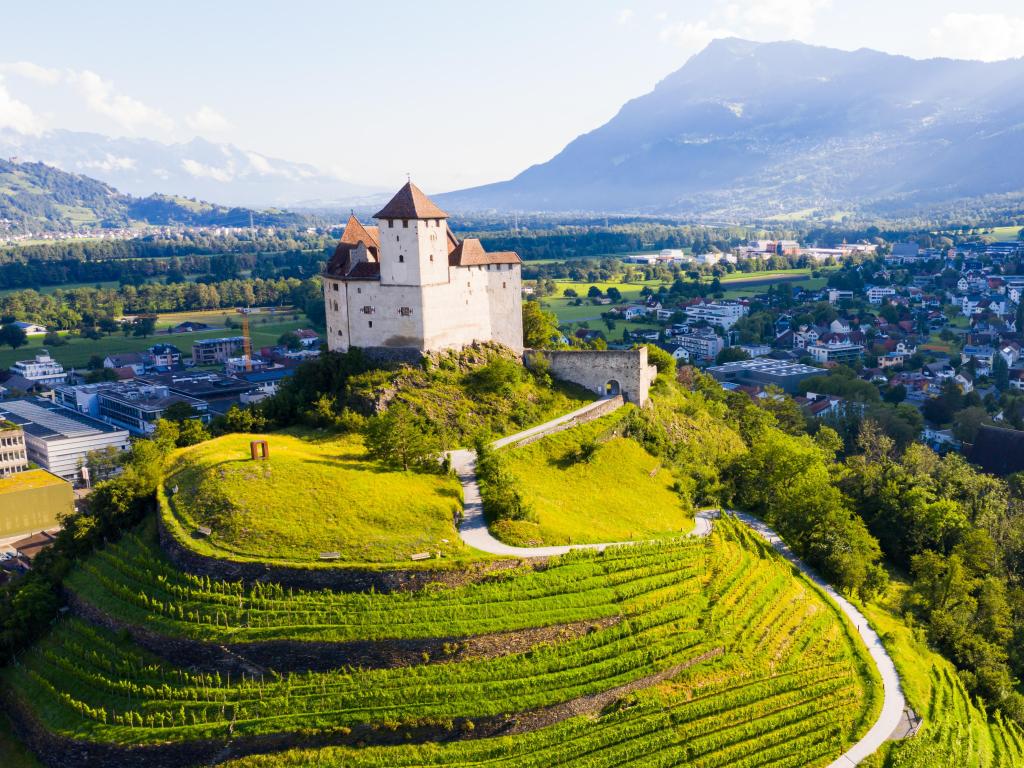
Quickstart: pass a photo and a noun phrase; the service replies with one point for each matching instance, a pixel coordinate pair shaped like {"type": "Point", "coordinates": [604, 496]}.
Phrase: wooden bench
{"type": "Point", "coordinates": [204, 530]}
{"type": "Point", "coordinates": [330, 555]}
{"type": "Point", "coordinates": [420, 556]}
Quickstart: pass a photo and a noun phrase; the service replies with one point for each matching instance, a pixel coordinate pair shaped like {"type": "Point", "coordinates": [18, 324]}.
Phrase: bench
{"type": "Point", "coordinates": [330, 555]}
{"type": "Point", "coordinates": [420, 556]}
{"type": "Point", "coordinates": [204, 530]}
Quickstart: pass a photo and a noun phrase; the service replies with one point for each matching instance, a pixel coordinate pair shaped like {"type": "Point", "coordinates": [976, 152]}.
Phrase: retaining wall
{"type": "Point", "coordinates": [626, 370]}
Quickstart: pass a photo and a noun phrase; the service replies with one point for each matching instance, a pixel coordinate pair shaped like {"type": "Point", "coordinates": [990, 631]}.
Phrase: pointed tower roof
{"type": "Point", "coordinates": [410, 203]}
{"type": "Point", "coordinates": [356, 232]}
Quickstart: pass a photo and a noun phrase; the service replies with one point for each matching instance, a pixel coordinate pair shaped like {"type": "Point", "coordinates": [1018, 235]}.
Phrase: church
{"type": "Point", "coordinates": [408, 286]}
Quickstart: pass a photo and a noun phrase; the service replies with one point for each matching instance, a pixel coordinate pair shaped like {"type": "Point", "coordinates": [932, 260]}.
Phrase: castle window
{"type": "Point", "coordinates": [335, 306]}
{"type": "Point", "coordinates": [405, 223]}
{"type": "Point", "coordinates": [335, 286]}
{"type": "Point", "coordinates": [431, 257]}
{"type": "Point", "coordinates": [503, 284]}
{"type": "Point", "coordinates": [405, 311]}
{"type": "Point", "coordinates": [371, 324]}
{"type": "Point", "coordinates": [391, 222]}
{"type": "Point", "coordinates": [368, 310]}
{"type": "Point", "coordinates": [339, 332]}
{"type": "Point", "coordinates": [359, 290]}
{"type": "Point", "coordinates": [401, 257]}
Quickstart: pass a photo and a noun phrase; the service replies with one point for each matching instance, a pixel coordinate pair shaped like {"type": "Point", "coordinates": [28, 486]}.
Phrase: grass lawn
{"type": "Point", "coordinates": [1002, 234]}
{"type": "Point", "coordinates": [77, 351]}
{"type": "Point", "coordinates": [313, 495]}
{"type": "Point", "coordinates": [621, 492]}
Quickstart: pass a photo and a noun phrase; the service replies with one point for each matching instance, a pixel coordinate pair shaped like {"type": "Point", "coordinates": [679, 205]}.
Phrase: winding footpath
{"type": "Point", "coordinates": [474, 532]}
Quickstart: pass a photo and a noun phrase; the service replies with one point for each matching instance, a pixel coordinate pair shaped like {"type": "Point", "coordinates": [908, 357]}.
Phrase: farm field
{"type": "Point", "coordinates": [720, 657]}
{"type": "Point", "coordinates": [588, 485]}
{"type": "Point", "coordinates": [311, 496]}
{"type": "Point", "coordinates": [77, 352]}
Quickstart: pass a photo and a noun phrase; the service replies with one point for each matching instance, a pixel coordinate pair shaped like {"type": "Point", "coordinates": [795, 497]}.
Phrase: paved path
{"type": "Point", "coordinates": [474, 532]}
{"type": "Point", "coordinates": [893, 703]}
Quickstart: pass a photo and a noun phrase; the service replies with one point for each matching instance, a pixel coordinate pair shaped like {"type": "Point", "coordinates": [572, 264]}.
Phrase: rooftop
{"type": "Point", "coordinates": [200, 385]}
{"type": "Point", "coordinates": [30, 478]}
{"type": "Point", "coordinates": [769, 366]}
{"type": "Point", "coordinates": [48, 421]}
{"type": "Point", "coordinates": [410, 203]}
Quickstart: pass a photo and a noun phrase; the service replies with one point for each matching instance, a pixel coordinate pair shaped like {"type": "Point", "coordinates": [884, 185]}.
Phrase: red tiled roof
{"type": "Point", "coordinates": [355, 233]}
{"type": "Point", "coordinates": [410, 203]}
{"type": "Point", "coordinates": [470, 253]}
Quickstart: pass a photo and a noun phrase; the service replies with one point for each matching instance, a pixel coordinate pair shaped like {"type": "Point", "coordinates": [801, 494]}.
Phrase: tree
{"type": "Point", "coordinates": [731, 355]}
{"type": "Point", "coordinates": [1000, 372]}
{"type": "Point", "coordinates": [13, 336]}
{"type": "Point", "coordinates": [594, 292]}
{"type": "Point", "coordinates": [662, 360]}
{"type": "Point", "coordinates": [614, 294]}
{"type": "Point", "coordinates": [967, 422]}
{"type": "Point", "coordinates": [570, 293]}
{"type": "Point", "coordinates": [54, 339]}
{"type": "Point", "coordinates": [400, 438]}
{"type": "Point", "coordinates": [143, 326]}
{"type": "Point", "coordinates": [98, 375]}
{"type": "Point", "coordinates": [179, 411]}
{"type": "Point", "coordinates": [540, 328]}
{"type": "Point", "coordinates": [191, 432]}
{"type": "Point", "coordinates": [289, 340]}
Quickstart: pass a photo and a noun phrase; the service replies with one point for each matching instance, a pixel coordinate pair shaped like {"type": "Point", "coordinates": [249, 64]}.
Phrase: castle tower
{"type": "Point", "coordinates": [413, 240]}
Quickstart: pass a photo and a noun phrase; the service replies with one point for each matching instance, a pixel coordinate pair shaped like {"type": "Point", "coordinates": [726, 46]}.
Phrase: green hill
{"type": "Point", "coordinates": [35, 197]}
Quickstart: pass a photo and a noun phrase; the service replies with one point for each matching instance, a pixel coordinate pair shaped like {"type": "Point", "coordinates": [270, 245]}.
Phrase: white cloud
{"type": "Point", "coordinates": [109, 163]}
{"type": "Point", "coordinates": [982, 36]}
{"type": "Point", "coordinates": [692, 35]}
{"type": "Point", "coordinates": [207, 120]}
{"type": "Point", "coordinates": [103, 98]}
{"type": "Point", "coordinates": [200, 171]}
{"type": "Point", "coordinates": [791, 18]}
{"type": "Point", "coordinates": [625, 16]}
{"type": "Point", "coordinates": [34, 72]}
{"type": "Point", "coordinates": [17, 114]}
{"type": "Point", "coordinates": [755, 19]}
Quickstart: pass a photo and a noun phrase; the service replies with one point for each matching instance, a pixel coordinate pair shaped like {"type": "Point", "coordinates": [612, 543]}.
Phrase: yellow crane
{"type": "Point", "coordinates": [246, 343]}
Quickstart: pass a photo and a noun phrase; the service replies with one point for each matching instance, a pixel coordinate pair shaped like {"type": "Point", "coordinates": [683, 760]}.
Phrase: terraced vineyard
{"type": "Point", "coordinates": [707, 652]}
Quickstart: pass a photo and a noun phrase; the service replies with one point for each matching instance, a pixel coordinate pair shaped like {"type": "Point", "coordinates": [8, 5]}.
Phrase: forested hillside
{"type": "Point", "coordinates": [35, 197]}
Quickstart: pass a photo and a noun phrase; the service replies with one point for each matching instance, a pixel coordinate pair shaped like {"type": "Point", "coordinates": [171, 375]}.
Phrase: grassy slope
{"type": "Point", "coordinates": [621, 492]}
{"type": "Point", "coordinates": [312, 496]}
{"type": "Point", "coordinates": [789, 681]}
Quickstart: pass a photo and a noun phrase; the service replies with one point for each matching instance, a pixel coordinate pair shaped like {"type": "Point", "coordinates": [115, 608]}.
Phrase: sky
{"type": "Point", "coordinates": [454, 93]}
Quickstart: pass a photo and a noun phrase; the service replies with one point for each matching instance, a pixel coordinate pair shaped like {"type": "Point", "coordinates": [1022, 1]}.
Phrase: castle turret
{"type": "Point", "coordinates": [413, 240]}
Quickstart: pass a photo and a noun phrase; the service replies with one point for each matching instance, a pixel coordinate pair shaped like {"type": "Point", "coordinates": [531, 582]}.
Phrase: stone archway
{"type": "Point", "coordinates": [612, 388]}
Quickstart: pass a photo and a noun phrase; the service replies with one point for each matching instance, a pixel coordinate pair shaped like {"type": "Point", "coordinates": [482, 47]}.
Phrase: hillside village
{"type": "Point", "coordinates": [935, 330]}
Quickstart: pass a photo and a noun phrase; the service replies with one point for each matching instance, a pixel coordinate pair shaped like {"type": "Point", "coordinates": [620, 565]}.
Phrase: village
{"type": "Point", "coordinates": [932, 332]}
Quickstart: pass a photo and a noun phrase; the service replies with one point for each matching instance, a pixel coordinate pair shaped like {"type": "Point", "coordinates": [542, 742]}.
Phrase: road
{"type": "Point", "coordinates": [474, 532]}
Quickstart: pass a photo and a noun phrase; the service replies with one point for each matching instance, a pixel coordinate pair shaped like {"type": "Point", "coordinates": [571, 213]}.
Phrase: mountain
{"type": "Point", "coordinates": [35, 197]}
{"type": "Point", "coordinates": [198, 168]}
{"type": "Point", "coordinates": [746, 128]}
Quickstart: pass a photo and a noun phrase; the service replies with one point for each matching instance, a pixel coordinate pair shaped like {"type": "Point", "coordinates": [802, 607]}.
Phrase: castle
{"type": "Point", "coordinates": [409, 286]}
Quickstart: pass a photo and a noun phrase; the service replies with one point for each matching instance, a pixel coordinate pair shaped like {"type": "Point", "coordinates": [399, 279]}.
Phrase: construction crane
{"type": "Point", "coordinates": [246, 343]}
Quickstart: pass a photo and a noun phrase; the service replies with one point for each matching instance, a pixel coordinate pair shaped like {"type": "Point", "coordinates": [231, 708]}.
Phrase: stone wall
{"type": "Point", "coordinates": [604, 372]}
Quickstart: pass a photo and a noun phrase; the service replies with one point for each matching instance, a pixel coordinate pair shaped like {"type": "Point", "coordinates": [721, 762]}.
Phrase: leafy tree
{"type": "Point", "coordinates": [594, 292]}
{"type": "Point", "coordinates": [570, 293]}
{"type": "Point", "coordinates": [400, 438]}
{"type": "Point", "coordinates": [191, 432]}
{"type": "Point", "coordinates": [540, 328]}
{"type": "Point", "coordinates": [730, 355]}
{"type": "Point", "coordinates": [614, 294]}
{"type": "Point", "coordinates": [179, 411]}
{"type": "Point", "coordinates": [13, 336]}
{"type": "Point", "coordinates": [54, 339]}
{"type": "Point", "coordinates": [241, 420]}
{"type": "Point", "coordinates": [1000, 372]}
{"type": "Point", "coordinates": [967, 422]}
{"type": "Point", "coordinates": [662, 360]}
{"type": "Point", "coordinates": [289, 340]}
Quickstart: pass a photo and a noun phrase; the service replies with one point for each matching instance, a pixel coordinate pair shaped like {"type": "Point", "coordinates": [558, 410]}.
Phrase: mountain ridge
{"type": "Point", "coordinates": [196, 168]}
{"type": "Point", "coordinates": [35, 197]}
{"type": "Point", "coordinates": [746, 128]}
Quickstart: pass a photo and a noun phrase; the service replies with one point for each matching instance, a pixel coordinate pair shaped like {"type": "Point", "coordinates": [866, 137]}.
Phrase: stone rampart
{"type": "Point", "coordinates": [604, 372]}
